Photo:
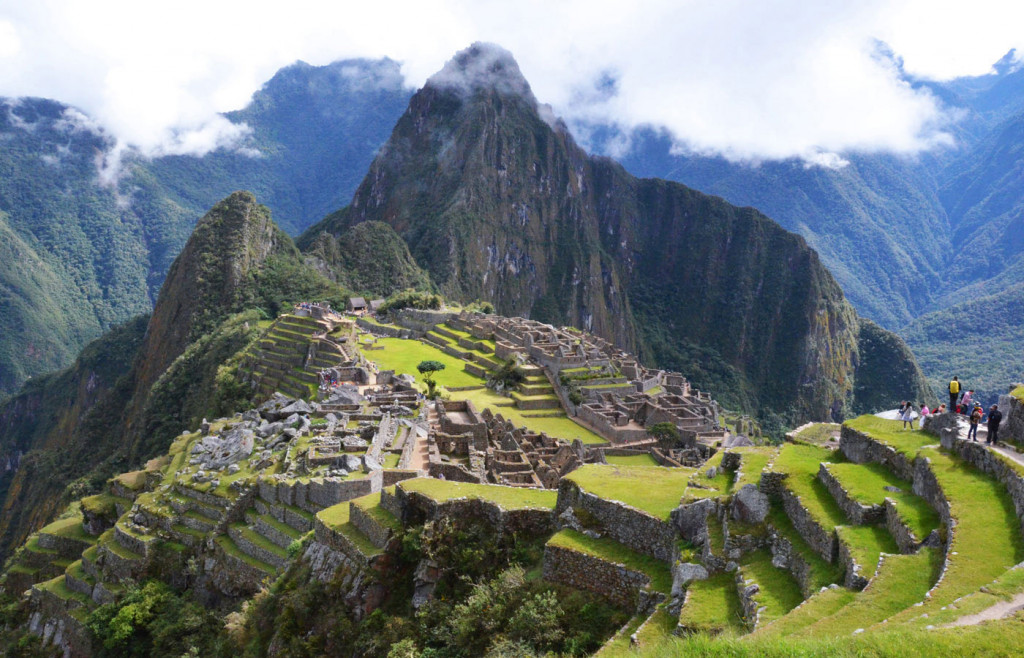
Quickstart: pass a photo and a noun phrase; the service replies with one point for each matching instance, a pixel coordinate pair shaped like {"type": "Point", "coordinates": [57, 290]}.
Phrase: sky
{"type": "Point", "coordinates": [751, 80]}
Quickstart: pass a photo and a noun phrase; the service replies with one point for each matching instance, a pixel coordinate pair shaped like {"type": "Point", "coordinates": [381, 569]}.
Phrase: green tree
{"type": "Point", "coordinates": [664, 432]}
{"type": "Point", "coordinates": [427, 369]}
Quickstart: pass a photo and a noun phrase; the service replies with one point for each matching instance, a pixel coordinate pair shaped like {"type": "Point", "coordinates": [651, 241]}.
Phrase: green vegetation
{"type": "Point", "coordinates": [866, 543]}
{"type": "Point", "coordinates": [802, 462]}
{"type": "Point", "coordinates": [821, 604]}
{"type": "Point", "coordinates": [612, 551]}
{"type": "Point", "coordinates": [823, 573]}
{"type": "Point", "coordinates": [712, 606]}
{"type": "Point", "coordinates": [508, 498]}
{"type": "Point", "coordinates": [866, 484]}
{"type": "Point", "coordinates": [889, 432]}
{"type": "Point", "coordinates": [818, 433]}
{"type": "Point", "coordinates": [653, 489]}
{"type": "Point", "coordinates": [371, 258]}
{"type": "Point", "coordinates": [632, 460]}
{"type": "Point", "coordinates": [779, 592]}
{"type": "Point", "coordinates": [410, 298]}
{"type": "Point", "coordinates": [902, 581]}
{"type": "Point", "coordinates": [664, 432]}
{"type": "Point", "coordinates": [753, 461]}
{"type": "Point", "coordinates": [427, 370]}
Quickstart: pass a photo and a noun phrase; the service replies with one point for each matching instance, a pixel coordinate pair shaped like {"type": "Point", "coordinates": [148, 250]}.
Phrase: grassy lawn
{"type": "Point", "coordinates": [70, 528]}
{"type": "Point", "coordinates": [508, 498]}
{"type": "Point", "coordinates": [632, 460]}
{"type": "Point", "coordinates": [713, 605]}
{"type": "Point", "coordinates": [370, 505]}
{"type": "Point", "coordinates": [402, 356]}
{"type": "Point", "coordinates": [391, 460]}
{"type": "Point", "coordinates": [753, 460]}
{"type": "Point", "coordinates": [655, 490]}
{"type": "Point", "coordinates": [561, 427]}
{"type": "Point", "coordinates": [1003, 588]}
{"type": "Point", "coordinates": [866, 484]}
{"type": "Point", "coordinates": [779, 593]}
{"type": "Point", "coordinates": [336, 517]}
{"type": "Point", "coordinates": [901, 582]}
{"type": "Point", "coordinates": [612, 551]}
{"type": "Point", "coordinates": [801, 462]}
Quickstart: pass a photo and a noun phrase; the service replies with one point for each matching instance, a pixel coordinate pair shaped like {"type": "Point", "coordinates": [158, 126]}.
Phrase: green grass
{"type": "Point", "coordinates": [752, 462]}
{"type": "Point", "coordinates": [987, 539]}
{"type": "Point", "coordinates": [69, 528]}
{"type": "Point", "coordinates": [655, 490]}
{"type": "Point", "coordinates": [713, 606]}
{"type": "Point", "coordinates": [779, 593]}
{"type": "Point", "coordinates": [889, 433]}
{"type": "Point", "coordinates": [1003, 588]}
{"type": "Point", "coordinates": [865, 483]}
{"type": "Point", "coordinates": [370, 504]}
{"type": "Point", "coordinates": [612, 551]}
{"type": "Point", "coordinates": [337, 518]}
{"type": "Point", "coordinates": [508, 498]}
{"type": "Point", "coordinates": [866, 543]}
{"type": "Point", "coordinates": [259, 540]}
{"type": "Point", "coordinates": [58, 587]}
{"type": "Point", "coordinates": [403, 355]}
{"type": "Point", "coordinates": [391, 460]}
{"type": "Point", "coordinates": [901, 581]}
{"type": "Point", "coordinates": [232, 549]}
{"type": "Point", "coordinates": [281, 527]}
{"type": "Point", "coordinates": [822, 572]}
{"type": "Point", "coordinates": [802, 462]}
{"type": "Point", "coordinates": [632, 460]}
{"type": "Point", "coordinates": [822, 603]}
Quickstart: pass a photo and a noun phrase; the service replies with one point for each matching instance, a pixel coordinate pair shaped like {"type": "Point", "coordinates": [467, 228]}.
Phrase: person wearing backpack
{"type": "Point", "coordinates": [976, 415]}
{"type": "Point", "coordinates": [954, 392]}
{"type": "Point", "coordinates": [994, 418]}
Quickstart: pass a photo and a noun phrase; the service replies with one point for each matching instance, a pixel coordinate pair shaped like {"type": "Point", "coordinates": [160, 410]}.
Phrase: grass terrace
{"type": "Point", "coordinates": [888, 432]}
{"type": "Point", "coordinates": [655, 490]}
{"type": "Point", "coordinates": [866, 543]}
{"type": "Point", "coordinates": [370, 504]}
{"type": "Point", "coordinates": [865, 483]}
{"type": "Point", "coordinates": [818, 433]}
{"type": "Point", "coordinates": [901, 581]}
{"type": "Point", "coordinates": [70, 528]}
{"type": "Point", "coordinates": [508, 498]}
{"type": "Point", "coordinates": [612, 551]}
{"type": "Point", "coordinates": [753, 461]}
{"type": "Point", "coordinates": [336, 518]}
{"type": "Point", "coordinates": [823, 573]}
{"type": "Point", "coordinates": [712, 606]}
{"type": "Point", "coordinates": [632, 460]}
{"type": "Point", "coordinates": [822, 604]}
{"type": "Point", "coordinates": [802, 462]}
{"type": "Point", "coordinates": [779, 593]}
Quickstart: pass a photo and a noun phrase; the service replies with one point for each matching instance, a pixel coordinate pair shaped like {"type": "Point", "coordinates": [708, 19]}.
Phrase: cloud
{"type": "Point", "coordinates": [744, 79]}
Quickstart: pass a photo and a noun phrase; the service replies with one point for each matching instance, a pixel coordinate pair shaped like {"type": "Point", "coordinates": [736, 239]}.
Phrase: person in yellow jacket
{"type": "Point", "coordinates": [954, 393]}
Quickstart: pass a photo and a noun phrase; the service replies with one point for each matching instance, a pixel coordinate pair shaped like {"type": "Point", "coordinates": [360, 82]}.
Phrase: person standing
{"type": "Point", "coordinates": [994, 418]}
{"type": "Point", "coordinates": [907, 415]}
{"type": "Point", "coordinates": [924, 412]}
{"type": "Point", "coordinates": [966, 407]}
{"type": "Point", "coordinates": [954, 393]}
{"type": "Point", "coordinates": [972, 432]}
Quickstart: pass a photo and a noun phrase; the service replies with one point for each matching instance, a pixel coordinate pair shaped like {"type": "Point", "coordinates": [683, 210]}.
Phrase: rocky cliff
{"type": "Point", "coordinates": [496, 201]}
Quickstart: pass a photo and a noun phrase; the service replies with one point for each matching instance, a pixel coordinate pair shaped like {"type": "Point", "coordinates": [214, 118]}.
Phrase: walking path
{"type": "Point", "coordinates": [1000, 610]}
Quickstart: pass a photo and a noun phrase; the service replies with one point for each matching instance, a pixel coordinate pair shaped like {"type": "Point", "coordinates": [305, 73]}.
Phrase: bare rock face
{"type": "Point", "coordinates": [683, 573]}
{"type": "Point", "coordinates": [216, 452]}
{"type": "Point", "coordinates": [750, 505]}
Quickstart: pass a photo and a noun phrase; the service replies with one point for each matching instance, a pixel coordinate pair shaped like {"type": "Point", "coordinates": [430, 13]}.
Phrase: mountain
{"type": "Point", "coordinates": [99, 252]}
{"type": "Point", "coordinates": [496, 201]}
{"type": "Point", "coordinates": [137, 387]}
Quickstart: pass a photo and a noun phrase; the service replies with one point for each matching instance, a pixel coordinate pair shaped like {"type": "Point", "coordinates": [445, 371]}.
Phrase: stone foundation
{"type": "Point", "coordinates": [615, 582]}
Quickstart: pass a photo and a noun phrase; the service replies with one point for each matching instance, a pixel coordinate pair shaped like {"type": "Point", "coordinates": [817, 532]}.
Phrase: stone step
{"type": "Point", "coordinates": [132, 541]}
{"type": "Point", "coordinates": [77, 580]}
{"type": "Point", "coordinates": [209, 500]}
{"type": "Point", "coordinates": [187, 535]}
{"type": "Point", "coordinates": [296, 518]}
{"type": "Point", "coordinates": [278, 532]}
{"type": "Point", "coordinates": [334, 528]}
{"type": "Point", "coordinates": [255, 569]}
{"type": "Point", "coordinates": [194, 520]}
{"type": "Point", "coordinates": [257, 546]}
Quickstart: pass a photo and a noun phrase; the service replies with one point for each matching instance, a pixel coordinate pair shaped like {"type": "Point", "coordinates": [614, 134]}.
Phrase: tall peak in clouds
{"type": "Point", "coordinates": [480, 67]}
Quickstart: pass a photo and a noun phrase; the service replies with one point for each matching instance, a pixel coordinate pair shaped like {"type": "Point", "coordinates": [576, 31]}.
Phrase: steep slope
{"type": "Point", "coordinates": [138, 389]}
{"type": "Point", "coordinates": [497, 202]}
{"type": "Point", "coordinates": [100, 252]}
{"type": "Point", "coordinates": [978, 339]}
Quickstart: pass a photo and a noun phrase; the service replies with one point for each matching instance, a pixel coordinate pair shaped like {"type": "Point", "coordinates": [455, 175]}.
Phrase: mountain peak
{"type": "Point", "coordinates": [482, 66]}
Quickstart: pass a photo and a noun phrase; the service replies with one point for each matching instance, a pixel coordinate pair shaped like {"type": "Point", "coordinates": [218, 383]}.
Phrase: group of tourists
{"type": "Point", "coordinates": [963, 402]}
{"type": "Point", "coordinates": [960, 402]}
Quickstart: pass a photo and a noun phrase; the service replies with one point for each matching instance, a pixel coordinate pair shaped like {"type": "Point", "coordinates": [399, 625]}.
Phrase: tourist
{"type": "Point", "coordinates": [972, 432]}
{"type": "Point", "coordinates": [994, 418]}
{"type": "Point", "coordinates": [924, 412]}
{"type": "Point", "coordinates": [907, 415]}
{"type": "Point", "coordinates": [954, 392]}
{"type": "Point", "coordinates": [965, 402]}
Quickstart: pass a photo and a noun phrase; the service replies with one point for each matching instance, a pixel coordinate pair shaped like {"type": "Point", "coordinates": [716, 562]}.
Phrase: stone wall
{"type": "Point", "coordinates": [1002, 468]}
{"type": "Point", "coordinates": [822, 541]}
{"type": "Point", "coordinates": [862, 449]}
{"type": "Point", "coordinates": [625, 524]}
{"type": "Point", "coordinates": [379, 534]}
{"type": "Point", "coordinates": [857, 513]}
{"type": "Point", "coordinates": [785, 556]}
{"type": "Point", "coordinates": [615, 582]}
{"type": "Point", "coordinates": [1013, 418]}
{"type": "Point", "coordinates": [382, 330]}
{"type": "Point", "coordinates": [899, 530]}
{"type": "Point", "coordinates": [317, 493]}
{"type": "Point", "coordinates": [857, 575]}
{"type": "Point", "coordinates": [453, 473]}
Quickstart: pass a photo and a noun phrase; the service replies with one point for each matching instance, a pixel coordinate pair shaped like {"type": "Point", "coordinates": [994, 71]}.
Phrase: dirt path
{"type": "Point", "coordinates": [1000, 610]}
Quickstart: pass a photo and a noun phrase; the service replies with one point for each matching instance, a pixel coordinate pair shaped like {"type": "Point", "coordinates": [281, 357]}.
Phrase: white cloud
{"type": "Point", "coordinates": [741, 78]}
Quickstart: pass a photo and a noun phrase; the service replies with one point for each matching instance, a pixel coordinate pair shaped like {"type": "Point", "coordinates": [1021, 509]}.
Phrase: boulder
{"type": "Point", "coordinates": [352, 463]}
{"type": "Point", "coordinates": [297, 407]}
{"type": "Point", "coordinates": [683, 573]}
{"type": "Point", "coordinates": [750, 505]}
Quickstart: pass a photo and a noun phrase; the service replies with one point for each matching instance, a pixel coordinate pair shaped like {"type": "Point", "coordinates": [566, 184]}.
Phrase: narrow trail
{"type": "Point", "coordinates": [1000, 610]}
